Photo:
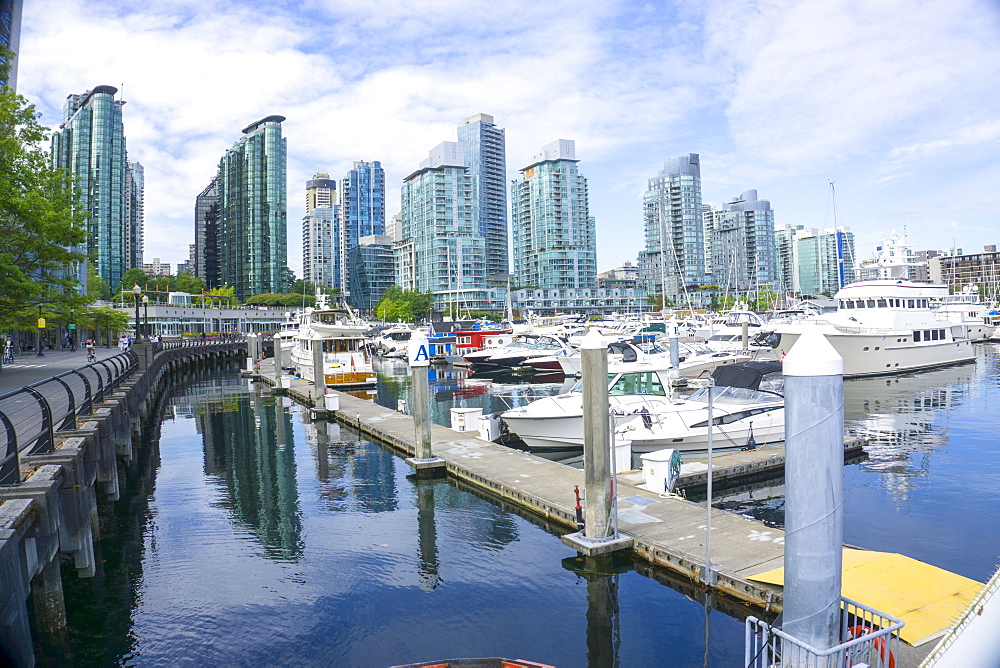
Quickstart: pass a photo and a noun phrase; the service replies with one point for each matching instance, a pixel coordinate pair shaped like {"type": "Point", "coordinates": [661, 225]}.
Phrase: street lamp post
{"type": "Point", "coordinates": [145, 315]}
{"type": "Point", "coordinates": [136, 291]}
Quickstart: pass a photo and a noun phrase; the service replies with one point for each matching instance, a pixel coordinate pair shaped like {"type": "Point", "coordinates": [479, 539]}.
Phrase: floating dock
{"type": "Point", "coordinates": [666, 530]}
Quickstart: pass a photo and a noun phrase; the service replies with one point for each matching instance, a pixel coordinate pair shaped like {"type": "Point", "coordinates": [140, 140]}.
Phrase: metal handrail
{"type": "Point", "coordinates": [33, 427]}
{"type": "Point", "coordinates": [868, 636]}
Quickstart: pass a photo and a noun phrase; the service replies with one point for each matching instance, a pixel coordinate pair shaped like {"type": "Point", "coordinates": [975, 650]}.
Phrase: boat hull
{"type": "Point", "coordinates": [887, 354]}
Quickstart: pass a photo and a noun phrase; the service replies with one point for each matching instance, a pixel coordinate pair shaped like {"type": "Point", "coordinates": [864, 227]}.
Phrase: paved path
{"type": "Point", "coordinates": [28, 368]}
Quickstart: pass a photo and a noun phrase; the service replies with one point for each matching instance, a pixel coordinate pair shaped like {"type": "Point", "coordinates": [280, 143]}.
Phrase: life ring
{"type": "Point", "coordinates": [878, 643]}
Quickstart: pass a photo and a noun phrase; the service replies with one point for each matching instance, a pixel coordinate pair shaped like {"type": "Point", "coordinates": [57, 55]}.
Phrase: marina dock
{"type": "Point", "coordinates": [666, 530]}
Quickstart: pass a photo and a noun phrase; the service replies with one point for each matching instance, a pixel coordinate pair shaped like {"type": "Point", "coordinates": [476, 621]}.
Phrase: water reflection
{"type": "Point", "coordinates": [350, 478]}
{"type": "Point", "coordinates": [603, 624]}
{"type": "Point", "coordinates": [250, 454]}
{"type": "Point", "coordinates": [903, 420]}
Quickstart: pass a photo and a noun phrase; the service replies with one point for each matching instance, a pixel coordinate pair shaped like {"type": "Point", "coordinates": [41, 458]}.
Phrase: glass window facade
{"type": "Point", "coordinates": [91, 146]}
{"type": "Point", "coordinates": [253, 224]}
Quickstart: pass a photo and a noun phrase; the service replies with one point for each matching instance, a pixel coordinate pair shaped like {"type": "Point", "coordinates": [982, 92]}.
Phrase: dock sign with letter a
{"type": "Point", "coordinates": [418, 350]}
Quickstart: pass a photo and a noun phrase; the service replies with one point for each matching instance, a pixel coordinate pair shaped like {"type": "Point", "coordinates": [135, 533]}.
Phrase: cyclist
{"type": "Point", "coordinates": [8, 351]}
{"type": "Point", "coordinates": [91, 351]}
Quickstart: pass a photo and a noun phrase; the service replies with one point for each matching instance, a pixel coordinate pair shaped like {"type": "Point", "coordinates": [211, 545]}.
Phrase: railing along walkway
{"type": "Point", "coordinates": [30, 416]}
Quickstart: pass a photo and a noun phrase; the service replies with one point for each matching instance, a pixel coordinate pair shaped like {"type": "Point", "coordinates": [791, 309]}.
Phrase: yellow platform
{"type": "Point", "coordinates": [927, 598]}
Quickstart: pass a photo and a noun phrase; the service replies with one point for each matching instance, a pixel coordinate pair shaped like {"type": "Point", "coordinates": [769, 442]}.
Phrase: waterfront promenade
{"type": "Point", "coordinates": [29, 368]}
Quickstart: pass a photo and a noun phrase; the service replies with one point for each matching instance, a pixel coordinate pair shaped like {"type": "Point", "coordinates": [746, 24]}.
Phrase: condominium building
{"type": "Point", "coordinates": [740, 253]}
{"type": "Point", "coordinates": [555, 238]}
{"type": "Point", "coordinates": [156, 268]}
{"type": "Point", "coordinates": [323, 248]}
{"type": "Point", "coordinates": [362, 199]}
{"type": "Point", "coordinates": [206, 235]}
{"type": "Point", "coordinates": [90, 144]}
{"type": "Point", "coordinates": [253, 224]}
{"type": "Point", "coordinates": [441, 250]}
{"type": "Point", "coordinates": [10, 36]}
{"type": "Point", "coordinates": [958, 269]}
{"type": "Point", "coordinates": [674, 256]}
{"type": "Point", "coordinates": [372, 271]}
{"type": "Point", "coordinates": [135, 182]}
{"type": "Point", "coordinates": [362, 196]}
{"type": "Point", "coordinates": [814, 262]}
{"type": "Point", "coordinates": [321, 191]}
{"type": "Point", "coordinates": [484, 153]}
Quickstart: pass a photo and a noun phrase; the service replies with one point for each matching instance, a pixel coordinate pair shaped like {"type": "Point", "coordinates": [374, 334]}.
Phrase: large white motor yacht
{"type": "Point", "coordinates": [882, 326]}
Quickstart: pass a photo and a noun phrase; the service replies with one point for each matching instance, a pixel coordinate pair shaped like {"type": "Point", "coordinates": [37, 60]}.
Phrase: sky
{"type": "Point", "coordinates": [894, 102]}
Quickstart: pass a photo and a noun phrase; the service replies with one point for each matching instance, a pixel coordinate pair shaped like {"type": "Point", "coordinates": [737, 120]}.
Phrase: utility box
{"type": "Point", "coordinates": [465, 419]}
{"type": "Point", "coordinates": [661, 469]}
{"type": "Point", "coordinates": [489, 427]}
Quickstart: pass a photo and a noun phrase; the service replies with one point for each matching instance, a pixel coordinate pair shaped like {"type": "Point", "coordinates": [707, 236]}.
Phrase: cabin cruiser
{"type": "Point", "coordinates": [341, 337]}
{"type": "Point", "coordinates": [694, 361]}
{"type": "Point", "coordinates": [522, 347]}
{"type": "Point", "coordinates": [881, 326]}
{"type": "Point", "coordinates": [743, 416]}
{"type": "Point", "coordinates": [729, 337]}
{"type": "Point", "coordinates": [392, 341]}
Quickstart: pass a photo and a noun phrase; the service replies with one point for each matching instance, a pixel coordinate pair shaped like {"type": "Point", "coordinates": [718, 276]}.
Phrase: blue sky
{"type": "Point", "coordinates": [894, 101]}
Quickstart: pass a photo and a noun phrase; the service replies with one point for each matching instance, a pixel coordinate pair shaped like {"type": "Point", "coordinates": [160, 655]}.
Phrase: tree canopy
{"type": "Point", "coordinates": [37, 223]}
{"type": "Point", "coordinates": [398, 305]}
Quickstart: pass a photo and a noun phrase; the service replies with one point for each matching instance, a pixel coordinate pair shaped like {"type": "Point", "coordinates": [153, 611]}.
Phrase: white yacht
{"type": "Point", "coordinates": [741, 417]}
{"type": "Point", "coordinates": [555, 424]}
{"type": "Point", "coordinates": [882, 326]}
{"type": "Point", "coordinates": [341, 336]}
{"type": "Point", "coordinates": [969, 309]}
{"type": "Point", "coordinates": [392, 341]}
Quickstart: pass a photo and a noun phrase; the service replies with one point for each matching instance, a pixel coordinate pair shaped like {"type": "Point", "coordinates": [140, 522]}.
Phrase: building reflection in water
{"type": "Point", "coordinates": [354, 474]}
{"type": "Point", "coordinates": [250, 453]}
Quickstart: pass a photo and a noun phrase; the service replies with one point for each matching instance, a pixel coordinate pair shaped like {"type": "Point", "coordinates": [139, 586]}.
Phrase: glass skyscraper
{"type": "Point", "coordinates": [206, 234]}
{"type": "Point", "coordinates": [135, 210]}
{"type": "Point", "coordinates": [253, 225]}
{"type": "Point", "coordinates": [484, 153]}
{"type": "Point", "coordinates": [323, 251]}
{"type": "Point", "coordinates": [674, 258]}
{"type": "Point", "coordinates": [362, 199]}
{"type": "Point", "coordinates": [441, 249]}
{"type": "Point", "coordinates": [10, 36]}
{"type": "Point", "coordinates": [91, 145]}
{"type": "Point", "coordinates": [371, 267]}
{"type": "Point", "coordinates": [555, 239]}
{"type": "Point", "coordinates": [740, 255]}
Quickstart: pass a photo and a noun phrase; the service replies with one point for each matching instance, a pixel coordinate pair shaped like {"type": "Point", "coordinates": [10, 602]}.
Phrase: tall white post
{"type": "Point", "coordinates": [418, 354]}
{"type": "Point", "coordinates": [814, 490]}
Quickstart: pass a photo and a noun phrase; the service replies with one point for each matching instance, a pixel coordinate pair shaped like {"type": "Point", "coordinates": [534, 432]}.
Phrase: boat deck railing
{"type": "Point", "coordinates": [868, 637]}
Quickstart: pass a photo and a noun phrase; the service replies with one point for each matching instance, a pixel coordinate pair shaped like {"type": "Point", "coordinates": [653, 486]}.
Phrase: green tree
{"type": "Point", "coordinates": [188, 283]}
{"type": "Point", "coordinates": [97, 287]}
{"type": "Point", "coordinates": [133, 276]}
{"type": "Point", "coordinates": [37, 223]}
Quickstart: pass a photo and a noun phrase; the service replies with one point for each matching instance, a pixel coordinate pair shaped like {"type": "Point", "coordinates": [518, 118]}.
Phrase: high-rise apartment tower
{"type": "Point", "coordinates": [484, 153]}
{"type": "Point", "coordinates": [555, 241]}
{"type": "Point", "coordinates": [674, 258]}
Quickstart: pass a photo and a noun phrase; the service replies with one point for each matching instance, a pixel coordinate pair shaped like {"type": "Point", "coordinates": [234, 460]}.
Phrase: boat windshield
{"type": "Point", "coordinates": [733, 396]}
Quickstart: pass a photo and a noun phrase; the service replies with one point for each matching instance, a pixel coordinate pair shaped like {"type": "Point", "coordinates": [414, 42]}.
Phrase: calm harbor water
{"type": "Point", "coordinates": [253, 536]}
